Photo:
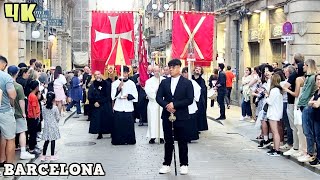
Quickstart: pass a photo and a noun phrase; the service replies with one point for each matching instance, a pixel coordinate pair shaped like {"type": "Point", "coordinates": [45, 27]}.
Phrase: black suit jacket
{"type": "Point", "coordinates": [182, 98]}
{"type": "Point", "coordinates": [222, 78]}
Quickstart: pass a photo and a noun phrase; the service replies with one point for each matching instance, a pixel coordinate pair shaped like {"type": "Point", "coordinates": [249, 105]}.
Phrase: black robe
{"type": "Point", "coordinates": [202, 105]}
{"type": "Point", "coordinates": [101, 118]}
{"type": "Point", "coordinates": [143, 105]}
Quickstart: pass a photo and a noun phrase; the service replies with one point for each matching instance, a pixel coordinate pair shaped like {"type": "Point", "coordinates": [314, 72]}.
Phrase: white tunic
{"type": "Point", "coordinates": [124, 105]}
{"type": "Point", "coordinates": [275, 101]}
{"type": "Point", "coordinates": [197, 92]}
{"type": "Point", "coordinates": [154, 110]}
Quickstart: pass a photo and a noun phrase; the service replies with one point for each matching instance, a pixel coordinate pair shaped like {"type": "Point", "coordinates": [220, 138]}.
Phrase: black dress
{"type": "Point", "coordinates": [202, 105]}
{"type": "Point", "coordinates": [101, 118]}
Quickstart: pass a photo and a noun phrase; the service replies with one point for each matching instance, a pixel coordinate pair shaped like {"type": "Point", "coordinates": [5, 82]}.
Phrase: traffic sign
{"type": "Point", "coordinates": [44, 15]}
{"type": "Point", "coordinates": [287, 38]}
{"type": "Point", "coordinates": [287, 28]}
{"type": "Point", "coordinates": [55, 22]}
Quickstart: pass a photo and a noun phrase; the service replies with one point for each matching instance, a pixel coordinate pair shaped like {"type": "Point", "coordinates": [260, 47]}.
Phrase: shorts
{"type": "Point", "coordinates": [21, 125]}
{"type": "Point", "coordinates": [262, 116]}
{"type": "Point", "coordinates": [8, 125]}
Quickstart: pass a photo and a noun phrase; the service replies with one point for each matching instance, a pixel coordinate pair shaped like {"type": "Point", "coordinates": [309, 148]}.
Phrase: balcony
{"type": "Point", "coordinates": [157, 42]}
{"type": "Point", "coordinates": [222, 4]}
{"type": "Point", "coordinates": [149, 32]}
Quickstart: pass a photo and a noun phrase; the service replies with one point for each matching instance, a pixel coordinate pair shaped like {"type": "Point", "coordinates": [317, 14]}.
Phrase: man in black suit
{"type": "Point", "coordinates": [222, 89]}
{"type": "Point", "coordinates": [174, 95]}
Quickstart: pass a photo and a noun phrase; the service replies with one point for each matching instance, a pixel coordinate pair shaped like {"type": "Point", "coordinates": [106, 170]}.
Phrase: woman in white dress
{"type": "Point", "coordinates": [275, 112]}
{"type": "Point", "coordinates": [59, 82]}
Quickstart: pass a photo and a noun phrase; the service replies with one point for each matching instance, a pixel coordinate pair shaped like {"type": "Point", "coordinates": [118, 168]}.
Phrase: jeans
{"type": "Point", "coordinates": [246, 108]}
{"type": "Point", "coordinates": [317, 135]}
{"type": "Point", "coordinates": [308, 129]}
{"type": "Point", "coordinates": [220, 100]}
{"type": "Point", "coordinates": [77, 103]}
{"type": "Point", "coordinates": [228, 95]}
{"type": "Point", "coordinates": [287, 124]}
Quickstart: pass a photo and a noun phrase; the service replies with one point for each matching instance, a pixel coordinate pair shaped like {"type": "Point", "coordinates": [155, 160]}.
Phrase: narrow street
{"type": "Point", "coordinates": [221, 153]}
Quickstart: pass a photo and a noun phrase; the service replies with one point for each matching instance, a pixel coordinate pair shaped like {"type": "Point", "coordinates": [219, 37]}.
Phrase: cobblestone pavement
{"type": "Point", "coordinates": [222, 153]}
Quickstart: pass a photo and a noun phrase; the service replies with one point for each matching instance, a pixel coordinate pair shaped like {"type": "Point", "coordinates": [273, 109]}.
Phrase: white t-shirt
{"type": "Point", "coordinates": [60, 81]}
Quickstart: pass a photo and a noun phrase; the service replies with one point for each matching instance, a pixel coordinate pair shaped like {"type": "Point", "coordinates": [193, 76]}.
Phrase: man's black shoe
{"type": "Point", "coordinates": [161, 141]}
{"type": "Point", "coordinates": [221, 118]}
{"type": "Point", "coordinates": [100, 136]}
{"type": "Point", "coordinates": [152, 141]}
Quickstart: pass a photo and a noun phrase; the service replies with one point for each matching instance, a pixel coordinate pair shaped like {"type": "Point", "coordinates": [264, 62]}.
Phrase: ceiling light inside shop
{"type": "Point", "coordinates": [257, 11]}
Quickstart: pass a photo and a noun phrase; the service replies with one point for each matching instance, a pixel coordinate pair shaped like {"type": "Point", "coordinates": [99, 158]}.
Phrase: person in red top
{"type": "Point", "coordinates": [229, 80]}
{"type": "Point", "coordinates": [33, 116]}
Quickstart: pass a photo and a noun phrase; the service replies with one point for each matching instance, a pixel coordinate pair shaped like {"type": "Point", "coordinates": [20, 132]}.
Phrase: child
{"type": "Point", "coordinates": [33, 116]}
{"type": "Point", "coordinates": [51, 115]}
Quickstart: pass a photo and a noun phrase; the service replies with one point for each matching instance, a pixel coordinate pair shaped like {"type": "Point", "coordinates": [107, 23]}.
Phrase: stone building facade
{"type": "Point", "coordinates": [19, 46]}
{"type": "Point", "coordinates": [248, 32]}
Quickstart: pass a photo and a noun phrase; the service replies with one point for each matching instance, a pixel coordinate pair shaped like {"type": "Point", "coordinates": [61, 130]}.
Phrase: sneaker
{"type": "Point", "coordinates": [271, 151]}
{"type": "Point", "coordinates": [35, 152]}
{"type": "Point", "coordinates": [242, 118]}
{"type": "Point", "coordinates": [275, 153]}
{"type": "Point", "coordinates": [26, 155]}
{"type": "Point", "coordinates": [252, 121]}
{"type": "Point", "coordinates": [54, 158]}
{"type": "Point", "coordinates": [298, 154]}
{"type": "Point", "coordinates": [315, 162]}
{"type": "Point", "coordinates": [184, 170]}
{"type": "Point", "coordinates": [290, 152]}
{"type": "Point", "coordinates": [43, 158]}
{"type": "Point", "coordinates": [286, 147]}
{"type": "Point", "coordinates": [2, 164]}
{"type": "Point", "coordinates": [306, 158]}
{"type": "Point", "coordinates": [165, 169]}
{"type": "Point", "coordinates": [264, 144]}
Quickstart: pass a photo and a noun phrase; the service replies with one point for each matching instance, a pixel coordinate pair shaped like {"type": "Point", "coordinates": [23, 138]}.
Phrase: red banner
{"type": "Point", "coordinates": [105, 30]}
{"type": "Point", "coordinates": [143, 60]}
{"type": "Point", "coordinates": [195, 28]}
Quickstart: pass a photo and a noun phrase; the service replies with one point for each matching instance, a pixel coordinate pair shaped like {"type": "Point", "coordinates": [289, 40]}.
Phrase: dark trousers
{"type": "Point", "coordinates": [317, 135]}
{"type": "Point", "coordinates": [179, 135]}
{"type": "Point", "coordinates": [84, 95]}
{"type": "Point", "coordinates": [45, 147]}
{"type": "Point", "coordinates": [32, 131]}
{"type": "Point", "coordinates": [228, 95]}
{"type": "Point", "coordinates": [77, 103]}
{"type": "Point", "coordinates": [220, 100]}
{"type": "Point", "coordinates": [246, 108]}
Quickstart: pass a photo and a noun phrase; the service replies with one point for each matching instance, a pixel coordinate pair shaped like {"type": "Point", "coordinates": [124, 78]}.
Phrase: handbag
{"type": "Point", "coordinates": [212, 94]}
{"type": "Point", "coordinates": [265, 107]}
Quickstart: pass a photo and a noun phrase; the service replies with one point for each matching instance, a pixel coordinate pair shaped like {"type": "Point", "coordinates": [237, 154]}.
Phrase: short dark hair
{"type": "Point", "coordinates": [221, 66]}
{"type": "Point", "coordinates": [34, 85]}
{"type": "Point", "coordinates": [2, 58]}
{"type": "Point", "coordinates": [174, 62]}
{"type": "Point", "coordinates": [76, 73]}
{"type": "Point", "coordinates": [228, 68]}
{"type": "Point", "coordinates": [185, 70]}
{"type": "Point", "coordinates": [32, 61]}
{"type": "Point", "coordinates": [22, 65]}
{"type": "Point", "coordinates": [126, 69]}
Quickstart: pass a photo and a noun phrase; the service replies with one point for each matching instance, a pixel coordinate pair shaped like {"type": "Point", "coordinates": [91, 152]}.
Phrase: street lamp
{"type": "Point", "coordinates": [165, 7]}
{"type": "Point", "coordinates": [35, 34]}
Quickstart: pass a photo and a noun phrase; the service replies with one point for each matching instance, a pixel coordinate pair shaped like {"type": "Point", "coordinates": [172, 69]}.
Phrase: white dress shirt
{"type": "Point", "coordinates": [120, 104]}
{"type": "Point", "coordinates": [197, 92]}
{"type": "Point", "coordinates": [174, 83]}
